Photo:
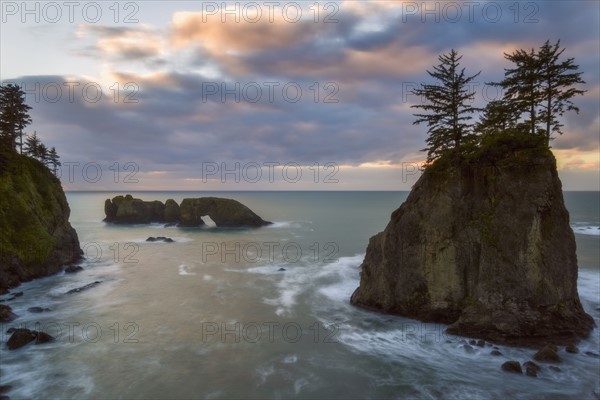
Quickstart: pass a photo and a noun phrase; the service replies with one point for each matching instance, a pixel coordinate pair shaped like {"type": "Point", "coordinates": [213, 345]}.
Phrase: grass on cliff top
{"type": "Point", "coordinates": [28, 208]}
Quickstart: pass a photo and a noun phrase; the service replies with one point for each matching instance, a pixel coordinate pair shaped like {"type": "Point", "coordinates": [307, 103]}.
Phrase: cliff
{"type": "Point", "coordinates": [486, 247]}
{"type": "Point", "coordinates": [36, 238]}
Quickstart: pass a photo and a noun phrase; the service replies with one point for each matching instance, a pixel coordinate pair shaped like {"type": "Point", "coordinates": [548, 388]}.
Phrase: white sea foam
{"type": "Point", "coordinates": [587, 230]}
{"type": "Point", "coordinates": [264, 373]}
{"type": "Point", "coordinates": [588, 286]}
{"type": "Point", "coordinates": [183, 270]}
{"type": "Point", "coordinates": [299, 384]}
{"type": "Point", "coordinates": [284, 224]}
{"type": "Point", "coordinates": [291, 359]}
{"type": "Point", "coordinates": [345, 274]}
{"type": "Point", "coordinates": [207, 278]}
{"type": "Point", "coordinates": [158, 225]}
{"type": "Point", "coordinates": [28, 382]}
{"type": "Point", "coordinates": [335, 280]}
{"type": "Point", "coordinates": [209, 222]}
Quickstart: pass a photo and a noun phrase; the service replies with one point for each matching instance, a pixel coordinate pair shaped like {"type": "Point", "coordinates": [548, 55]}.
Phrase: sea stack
{"type": "Point", "coordinates": [224, 212]}
{"type": "Point", "coordinates": [485, 246]}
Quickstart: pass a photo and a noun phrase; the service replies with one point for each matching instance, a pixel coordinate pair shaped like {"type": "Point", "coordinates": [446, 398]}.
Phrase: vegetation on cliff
{"type": "Point", "coordinates": [537, 91]}
{"type": "Point", "coordinates": [36, 238]}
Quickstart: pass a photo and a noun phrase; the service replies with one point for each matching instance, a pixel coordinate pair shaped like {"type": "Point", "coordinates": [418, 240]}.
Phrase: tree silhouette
{"type": "Point", "coordinates": [521, 85]}
{"type": "Point", "coordinates": [541, 86]}
{"type": "Point", "coordinates": [498, 115]}
{"type": "Point", "coordinates": [42, 154]}
{"type": "Point", "coordinates": [557, 81]}
{"type": "Point", "coordinates": [14, 116]}
{"type": "Point", "coordinates": [32, 143]}
{"type": "Point", "coordinates": [447, 107]}
{"type": "Point", "coordinates": [53, 159]}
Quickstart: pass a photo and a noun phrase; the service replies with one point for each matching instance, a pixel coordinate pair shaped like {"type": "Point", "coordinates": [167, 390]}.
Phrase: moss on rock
{"type": "Point", "coordinates": [36, 238]}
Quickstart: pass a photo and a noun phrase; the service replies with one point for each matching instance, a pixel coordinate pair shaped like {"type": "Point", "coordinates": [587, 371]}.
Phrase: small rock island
{"type": "Point", "coordinates": [485, 247]}
{"type": "Point", "coordinates": [224, 212]}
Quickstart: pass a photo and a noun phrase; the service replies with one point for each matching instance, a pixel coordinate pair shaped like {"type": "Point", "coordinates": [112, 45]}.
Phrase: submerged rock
{"type": "Point", "coordinates": [38, 309]}
{"type": "Point", "coordinates": [6, 314]}
{"type": "Point", "coordinates": [547, 354]}
{"type": "Point", "coordinates": [43, 337]}
{"type": "Point", "coordinates": [486, 247]}
{"type": "Point", "coordinates": [21, 337]}
{"type": "Point", "coordinates": [531, 368]}
{"type": "Point", "coordinates": [160, 239]}
{"type": "Point", "coordinates": [512, 366]}
{"type": "Point", "coordinates": [572, 349]}
{"type": "Point", "coordinates": [88, 286]}
{"type": "Point", "coordinates": [72, 269]}
{"type": "Point", "coordinates": [15, 295]}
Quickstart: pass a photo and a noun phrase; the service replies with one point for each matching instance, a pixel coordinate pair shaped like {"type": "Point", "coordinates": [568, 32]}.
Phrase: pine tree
{"type": "Point", "coordinates": [53, 159]}
{"type": "Point", "coordinates": [541, 86]}
{"type": "Point", "coordinates": [521, 85]}
{"type": "Point", "coordinates": [557, 80]}
{"type": "Point", "coordinates": [32, 143]}
{"type": "Point", "coordinates": [498, 116]}
{"type": "Point", "coordinates": [447, 106]}
{"type": "Point", "coordinates": [14, 116]}
{"type": "Point", "coordinates": [42, 154]}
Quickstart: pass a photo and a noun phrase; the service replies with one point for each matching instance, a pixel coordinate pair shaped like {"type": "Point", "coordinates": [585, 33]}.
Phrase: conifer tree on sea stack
{"type": "Point", "coordinates": [497, 116]}
{"type": "Point", "coordinates": [541, 86]}
{"type": "Point", "coordinates": [557, 80]}
{"type": "Point", "coordinates": [521, 85]}
{"type": "Point", "coordinates": [448, 106]}
{"type": "Point", "coordinates": [14, 116]}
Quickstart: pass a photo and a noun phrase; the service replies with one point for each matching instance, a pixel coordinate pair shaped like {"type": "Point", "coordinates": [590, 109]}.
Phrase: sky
{"type": "Point", "coordinates": [273, 95]}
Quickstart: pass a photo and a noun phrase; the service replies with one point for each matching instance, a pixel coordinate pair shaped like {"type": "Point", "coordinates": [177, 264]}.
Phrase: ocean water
{"type": "Point", "coordinates": [263, 313]}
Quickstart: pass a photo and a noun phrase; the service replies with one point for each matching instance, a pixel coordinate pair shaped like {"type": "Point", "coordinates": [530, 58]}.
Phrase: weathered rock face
{"type": "Point", "coordinates": [224, 212]}
{"type": "Point", "coordinates": [171, 213]}
{"type": "Point", "coordinates": [486, 248]}
{"type": "Point", "coordinates": [36, 238]}
{"type": "Point", "coordinates": [127, 210]}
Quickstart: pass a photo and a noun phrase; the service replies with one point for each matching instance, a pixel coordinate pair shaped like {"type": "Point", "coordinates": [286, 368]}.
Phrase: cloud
{"type": "Point", "coordinates": [121, 43]}
{"type": "Point", "coordinates": [195, 80]}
